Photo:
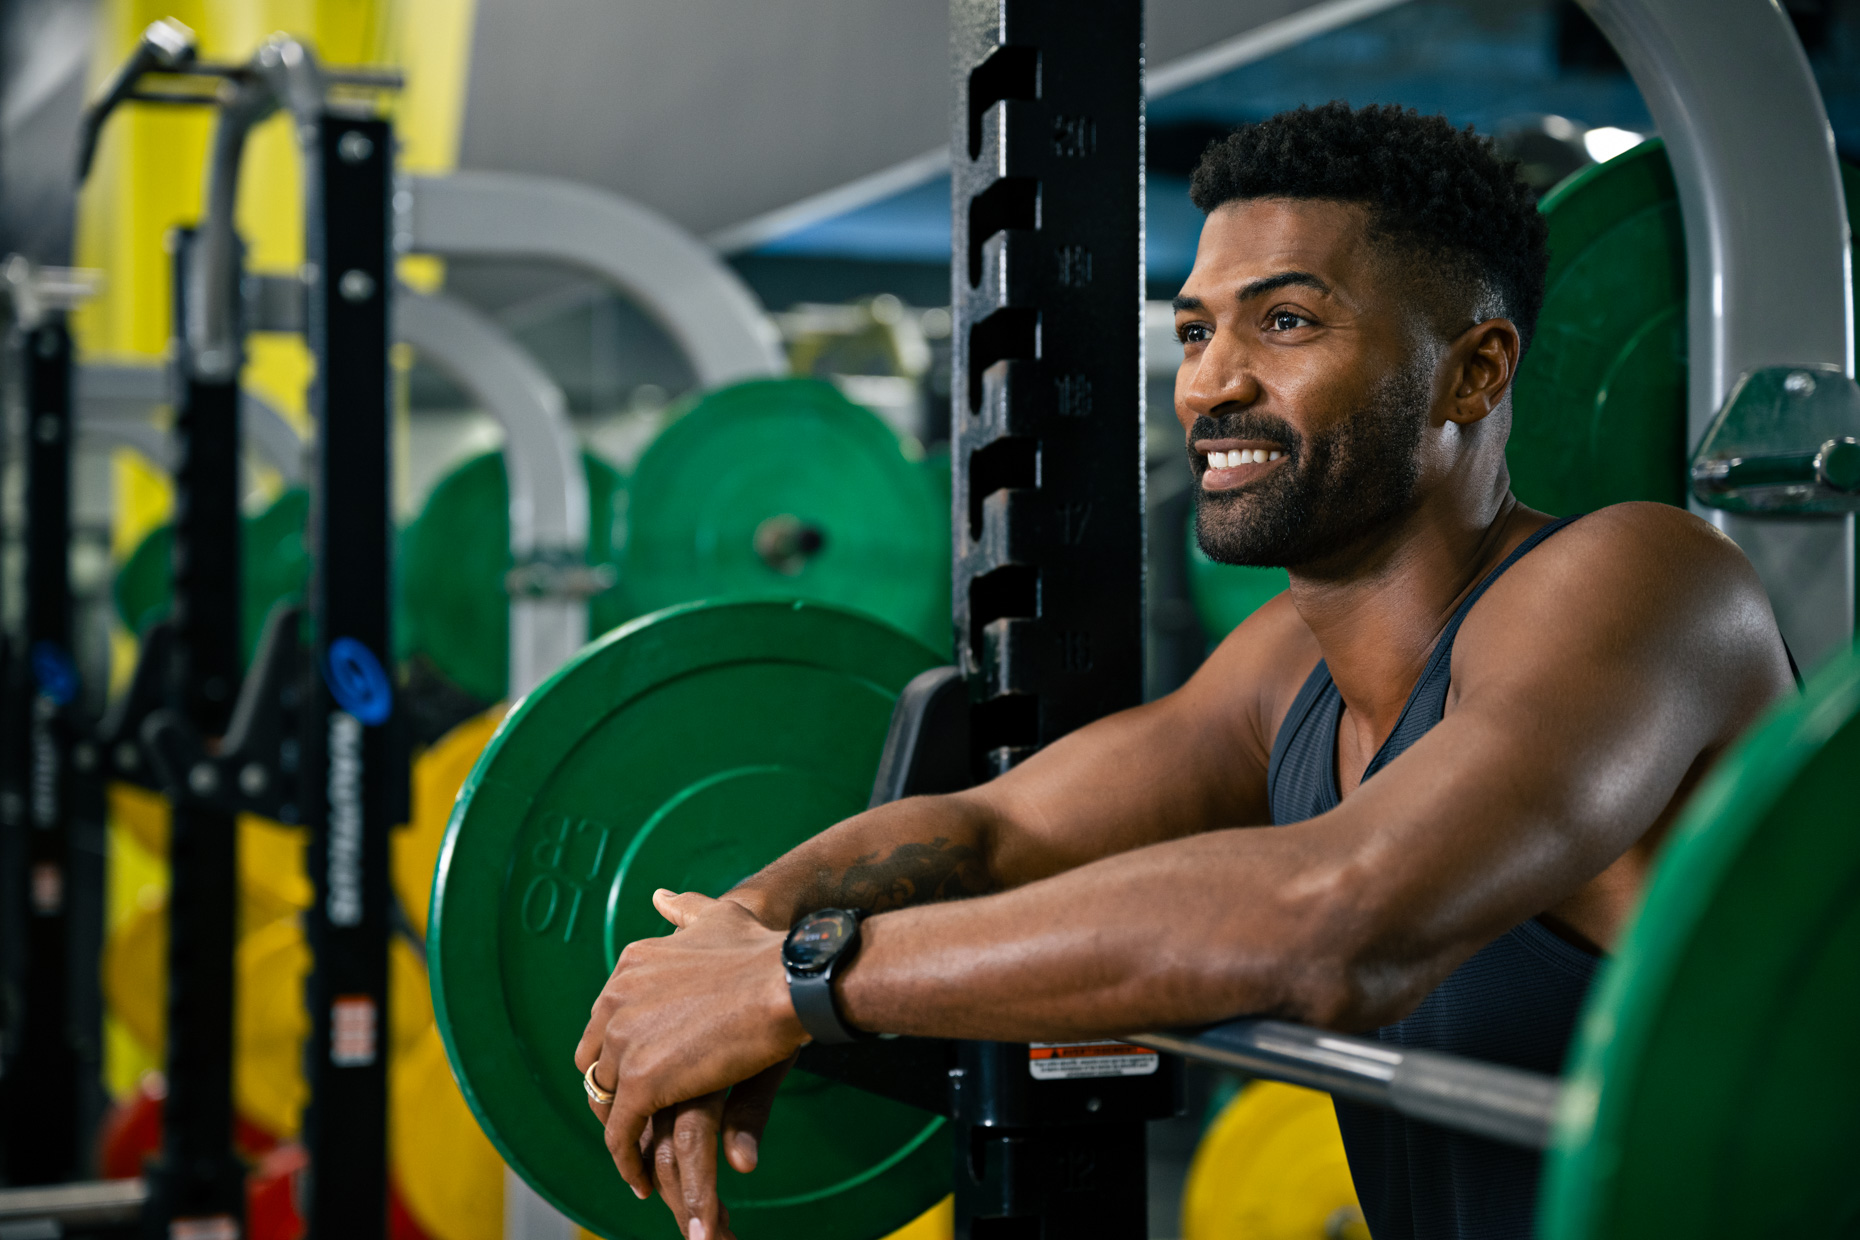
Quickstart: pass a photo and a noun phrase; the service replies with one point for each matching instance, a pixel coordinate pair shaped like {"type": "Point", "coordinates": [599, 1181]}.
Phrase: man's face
{"type": "Point", "coordinates": [1305, 385]}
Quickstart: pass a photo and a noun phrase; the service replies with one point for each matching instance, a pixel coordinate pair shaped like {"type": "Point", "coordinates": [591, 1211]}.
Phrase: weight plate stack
{"type": "Point", "coordinates": [685, 750]}
{"type": "Point", "coordinates": [1713, 1089]}
{"type": "Point", "coordinates": [784, 487]}
{"type": "Point", "coordinates": [453, 559]}
{"type": "Point", "coordinates": [272, 559]}
{"type": "Point", "coordinates": [1599, 408]}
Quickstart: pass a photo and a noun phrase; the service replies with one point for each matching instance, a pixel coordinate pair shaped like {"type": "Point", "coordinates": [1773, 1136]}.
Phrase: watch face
{"type": "Point", "coordinates": [817, 938]}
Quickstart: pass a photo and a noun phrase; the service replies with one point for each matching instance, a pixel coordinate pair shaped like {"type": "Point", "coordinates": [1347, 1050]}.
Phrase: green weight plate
{"type": "Point", "coordinates": [1599, 409]}
{"type": "Point", "coordinates": [272, 558]}
{"type": "Point", "coordinates": [453, 558]}
{"type": "Point", "coordinates": [1713, 1090]}
{"type": "Point", "coordinates": [1226, 594]}
{"type": "Point", "coordinates": [684, 750]}
{"type": "Point", "coordinates": [1600, 401]}
{"type": "Point", "coordinates": [785, 487]}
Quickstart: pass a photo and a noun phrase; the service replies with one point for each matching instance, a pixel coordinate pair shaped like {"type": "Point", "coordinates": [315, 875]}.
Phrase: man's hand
{"type": "Point", "coordinates": [692, 1035]}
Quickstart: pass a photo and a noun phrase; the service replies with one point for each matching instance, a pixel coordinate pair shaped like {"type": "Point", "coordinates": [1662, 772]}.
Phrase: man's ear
{"type": "Point", "coordinates": [1482, 362]}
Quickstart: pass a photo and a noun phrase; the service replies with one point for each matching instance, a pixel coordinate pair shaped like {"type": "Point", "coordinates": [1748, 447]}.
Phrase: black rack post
{"type": "Point", "coordinates": [44, 1091]}
{"type": "Point", "coordinates": [1047, 445]}
{"type": "Point", "coordinates": [355, 775]}
{"type": "Point", "coordinates": [198, 1176]}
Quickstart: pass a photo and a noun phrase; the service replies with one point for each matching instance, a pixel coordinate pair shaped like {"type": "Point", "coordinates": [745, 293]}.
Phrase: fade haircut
{"type": "Point", "coordinates": [1463, 228]}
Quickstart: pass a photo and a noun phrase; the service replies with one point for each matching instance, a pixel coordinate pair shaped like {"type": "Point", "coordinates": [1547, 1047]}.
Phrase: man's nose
{"type": "Point", "coordinates": [1219, 381]}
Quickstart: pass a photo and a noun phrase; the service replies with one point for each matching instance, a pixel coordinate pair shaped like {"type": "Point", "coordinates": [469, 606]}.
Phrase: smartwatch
{"type": "Point", "coordinates": [818, 948]}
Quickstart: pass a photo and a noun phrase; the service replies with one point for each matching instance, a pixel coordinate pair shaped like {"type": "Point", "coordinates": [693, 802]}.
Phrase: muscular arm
{"type": "Point", "coordinates": [1163, 771]}
{"type": "Point", "coordinates": [1592, 685]}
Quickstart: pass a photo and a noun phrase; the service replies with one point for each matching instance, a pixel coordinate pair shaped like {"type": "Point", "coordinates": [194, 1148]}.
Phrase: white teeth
{"type": "Point", "coordinates": [1242, 456]}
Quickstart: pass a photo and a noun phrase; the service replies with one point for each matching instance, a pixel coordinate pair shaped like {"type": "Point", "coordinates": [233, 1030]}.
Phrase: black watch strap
{"type": "Point", "coordinates": [812, 995]}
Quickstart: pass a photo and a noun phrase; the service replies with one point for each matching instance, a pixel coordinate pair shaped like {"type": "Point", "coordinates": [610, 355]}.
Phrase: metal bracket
{"type": "Point", "coordinates": [1786, 442]}
{"type": "Point", "coordinates": [274, 302]}
{"type": "Point", "coordinates": [254, 770]}
{"type": "Point", "coordinates": [558, 574]}
{"type": "Point", "coordinates": [37, 291]}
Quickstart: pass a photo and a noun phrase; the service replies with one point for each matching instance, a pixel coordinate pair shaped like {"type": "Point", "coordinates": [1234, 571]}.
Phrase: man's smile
{"type": "Point", "coordinates": [1232, 463]}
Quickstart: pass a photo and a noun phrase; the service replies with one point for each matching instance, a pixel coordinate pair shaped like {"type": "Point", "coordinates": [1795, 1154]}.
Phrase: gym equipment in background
{"type": "Point", "coordinates": [785, 487]}
{"type": "Point", "coordinates": [636, 767]}
{"type": "Point", "coordinates": [51, 818]}
{"type": "Point", "coordinates": [341, 772]}
{"type": "Point", "coordinates": [274, 567]}
{"type": "Point", "coordinates": [457, 575]}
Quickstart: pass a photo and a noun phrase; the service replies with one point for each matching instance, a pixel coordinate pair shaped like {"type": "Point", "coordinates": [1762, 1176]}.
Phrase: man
{"type": "Point", "coordinates": [1468, 726]}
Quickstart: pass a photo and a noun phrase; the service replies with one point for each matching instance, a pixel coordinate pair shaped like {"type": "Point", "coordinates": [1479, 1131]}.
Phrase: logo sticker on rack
{"type": "Point", "coordinates": [357, 682]}
{"type": "Point", "coordinates": [1072, 1061]}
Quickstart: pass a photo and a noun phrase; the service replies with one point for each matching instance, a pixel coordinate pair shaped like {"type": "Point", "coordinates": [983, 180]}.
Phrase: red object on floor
{"type": "Point", "coordinates": [131, 1132]}
{"type": "Point", "coordinates": [271, 1211]}
{"type": "Point", "coordinates": [401, 1223]}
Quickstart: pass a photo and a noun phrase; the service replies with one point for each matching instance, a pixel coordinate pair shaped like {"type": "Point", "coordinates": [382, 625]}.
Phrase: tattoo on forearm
{"type": "Point", "coordinates": [912, 874]}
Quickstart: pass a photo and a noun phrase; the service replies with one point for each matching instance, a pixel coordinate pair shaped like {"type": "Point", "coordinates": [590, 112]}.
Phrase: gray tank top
{"type": "Point", "coordinates": [1514, 1002]}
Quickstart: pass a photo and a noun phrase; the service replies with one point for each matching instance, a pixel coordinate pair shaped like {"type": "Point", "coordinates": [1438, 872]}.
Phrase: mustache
{"type": "Point", "coordinates": [1248, 424]}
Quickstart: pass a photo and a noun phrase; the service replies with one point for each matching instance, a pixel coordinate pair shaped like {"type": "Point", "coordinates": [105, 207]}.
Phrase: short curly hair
{"type": "Point", "coordinates": [1442, 195]}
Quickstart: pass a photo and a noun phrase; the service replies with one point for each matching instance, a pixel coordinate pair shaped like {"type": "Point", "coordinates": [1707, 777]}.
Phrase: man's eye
{"type": "Point", "coordinates": [1286, 320]}
{"type": "Point", "coordinates": [1194, 333]}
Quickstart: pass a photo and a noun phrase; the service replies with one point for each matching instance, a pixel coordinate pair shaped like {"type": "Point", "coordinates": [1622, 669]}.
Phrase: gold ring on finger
{"type": "Point", "coordinates": [595, 1091]}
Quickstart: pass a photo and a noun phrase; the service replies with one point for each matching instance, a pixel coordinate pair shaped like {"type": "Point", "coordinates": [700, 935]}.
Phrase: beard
{"type": "Point", "coordinates": [1333, 488]}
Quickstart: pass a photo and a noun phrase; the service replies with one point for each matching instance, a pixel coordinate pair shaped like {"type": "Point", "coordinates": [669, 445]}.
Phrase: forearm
{"type": "Point", "coordinates": [909, 852]}
{"type": "Point", "coordinates": [1180, 933]}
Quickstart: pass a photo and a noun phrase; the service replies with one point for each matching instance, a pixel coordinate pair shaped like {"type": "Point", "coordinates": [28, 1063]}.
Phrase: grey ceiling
{"type": "Point", "coordinates": [716, 111]}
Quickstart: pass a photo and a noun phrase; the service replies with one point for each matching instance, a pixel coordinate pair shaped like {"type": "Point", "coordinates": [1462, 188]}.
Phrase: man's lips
{"type": "Point", "coordinates": [1232, 463]}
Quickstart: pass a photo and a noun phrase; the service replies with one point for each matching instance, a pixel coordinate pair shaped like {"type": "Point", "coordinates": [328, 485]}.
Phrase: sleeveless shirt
{"type": "Point", "coordinates": [1514, 1002]}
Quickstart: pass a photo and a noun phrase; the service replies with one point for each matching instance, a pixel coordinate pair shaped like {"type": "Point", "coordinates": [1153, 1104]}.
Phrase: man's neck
{"type": "Point", "coordinates": [1378, 607]}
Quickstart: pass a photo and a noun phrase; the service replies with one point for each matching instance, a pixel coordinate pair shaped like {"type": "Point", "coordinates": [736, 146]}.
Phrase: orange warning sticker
{"type": "Point", "coordinates": [1069, 1061]}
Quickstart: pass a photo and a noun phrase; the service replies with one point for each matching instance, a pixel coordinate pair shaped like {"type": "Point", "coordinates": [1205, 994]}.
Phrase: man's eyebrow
{"type": "Point", "coordinates": [1188, 303]}
{"type": "Point", "coordinates": [1284, 279]}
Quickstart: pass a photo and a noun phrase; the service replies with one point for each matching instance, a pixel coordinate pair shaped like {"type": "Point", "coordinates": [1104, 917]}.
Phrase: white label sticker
{"type": "Point", "coordinates": [352, 1031]}
{"type": "Point", "coordinates": [211, 1227]}
{"type": "Point", "coordinates": [1068, 1061]}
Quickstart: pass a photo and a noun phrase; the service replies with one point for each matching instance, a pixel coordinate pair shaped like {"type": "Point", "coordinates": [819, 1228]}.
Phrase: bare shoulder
{"type": "Point", "coordinates": [1634, 592]}
{"type": "Point", "coordinates": [1638, 557]}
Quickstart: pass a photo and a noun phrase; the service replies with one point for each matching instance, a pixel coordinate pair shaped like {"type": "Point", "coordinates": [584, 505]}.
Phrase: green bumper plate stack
{"type": "Point", "coordinates": [453, 607]}
{"type": "Point", "coordinates": [684, 750]}
{"type": "Point", "coordinates": [1713, 1091]}
{"type": "Point", "coordinates": [1600, 402]}
{"type": "Point", "coordinates": [271, 556]}
{"type": "Point", "coordinates": [785, 487]}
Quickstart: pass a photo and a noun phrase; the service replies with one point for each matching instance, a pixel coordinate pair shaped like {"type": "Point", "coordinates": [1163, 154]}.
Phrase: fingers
{"type": "Point", "coordinates": [625, 1126]}
{"type": "Point", "coordinates": [680, 1152]}
{"type": "Point", "coordinates": [694, 1140]}
{"type": "Point", "coordinates": [680, 908]}
{"type": "Point", "coordinates": [746, 1114]}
